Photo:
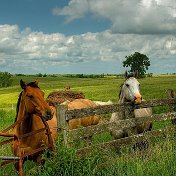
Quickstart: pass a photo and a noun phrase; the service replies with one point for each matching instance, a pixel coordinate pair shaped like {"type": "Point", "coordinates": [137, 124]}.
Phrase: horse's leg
{"type": "Point", "coordinates": [17, 151]}
{"type": "Point", "coordinates": [144, 144]}
{"type": "Point", "coordinates": [38, 159]}
{"type": "Point", "coordinates": [19, 167]}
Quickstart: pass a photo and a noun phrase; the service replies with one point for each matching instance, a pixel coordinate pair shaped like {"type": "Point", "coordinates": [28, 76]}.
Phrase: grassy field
{"type": "Point", "coordinates": [159, 159]}
{"type": "Point", "coordinates": [103, 89]}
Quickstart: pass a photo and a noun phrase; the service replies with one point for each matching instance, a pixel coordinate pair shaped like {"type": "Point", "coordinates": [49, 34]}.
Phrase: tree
{"type": "Point", "coordinates": [5, 79]}
{"type": "Point", "coordinates": [138, 63]}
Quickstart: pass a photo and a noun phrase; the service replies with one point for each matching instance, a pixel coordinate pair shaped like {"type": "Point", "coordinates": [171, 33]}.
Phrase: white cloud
{"type": "Point", "coordinates": [27, 49]}
{"type": "Point", "coordinates": [134, 16]}
{"type": "Point", "coordinates": [75, 9]}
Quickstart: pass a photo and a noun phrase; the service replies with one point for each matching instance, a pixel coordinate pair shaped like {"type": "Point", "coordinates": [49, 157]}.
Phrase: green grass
{"type": "Point", "coordinates": [6, 117]}
{"type": "Point", "coordinates": [103, 89]}
{"type": "Point", "coordinates": [158, 160]}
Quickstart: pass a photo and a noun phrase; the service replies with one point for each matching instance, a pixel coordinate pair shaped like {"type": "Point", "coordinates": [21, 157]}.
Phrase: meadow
{"type": "Point", "coordinates": [159, 159]}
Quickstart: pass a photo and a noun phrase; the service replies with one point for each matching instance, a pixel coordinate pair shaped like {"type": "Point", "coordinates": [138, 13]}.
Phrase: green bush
{"type": "Point", "coordinates": [5, 79]}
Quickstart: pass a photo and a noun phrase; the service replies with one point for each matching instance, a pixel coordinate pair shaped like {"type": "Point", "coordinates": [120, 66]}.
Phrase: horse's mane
{"type": "Point", "coordinates": [18, 105]}
{"type": "Point", "coordinates": [120, 90]}
{"type": "Point", "coordinates": [31, 84]}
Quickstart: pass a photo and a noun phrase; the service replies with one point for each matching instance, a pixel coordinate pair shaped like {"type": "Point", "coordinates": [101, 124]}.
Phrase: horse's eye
{"type": "Point", "coordinates": [30, 96]}
{"type": "Point", "coordinates": [127, 85]}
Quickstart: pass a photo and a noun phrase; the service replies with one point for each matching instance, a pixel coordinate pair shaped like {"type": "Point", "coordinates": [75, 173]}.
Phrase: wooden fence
{"type": "Point", "coordinates": [63, 115]}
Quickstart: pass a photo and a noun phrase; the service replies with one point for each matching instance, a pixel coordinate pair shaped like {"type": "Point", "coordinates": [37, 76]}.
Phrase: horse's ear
{"type": "Point", "coordinates": [36, 82]}
{"type": "Point", "coordinates": [171, 93]}
{"type": "Point", "coordinates": [126, 74]}
{"type": "Point", "coordinates": [22, 84]}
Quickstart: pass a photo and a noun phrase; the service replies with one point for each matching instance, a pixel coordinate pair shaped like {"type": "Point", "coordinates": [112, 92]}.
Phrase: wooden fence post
{"type": "Point", "coordinates": [172, 108]}
{"type": "Point", "coordinates": [61, 121]}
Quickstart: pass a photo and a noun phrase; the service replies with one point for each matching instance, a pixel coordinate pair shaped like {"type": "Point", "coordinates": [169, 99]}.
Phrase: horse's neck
{"type": "Point", "coordinates": [121, 99]}
{"type": "Point", "coordinates": [22, 119]}
{"type": "Point", "coordinates": [127, 112]}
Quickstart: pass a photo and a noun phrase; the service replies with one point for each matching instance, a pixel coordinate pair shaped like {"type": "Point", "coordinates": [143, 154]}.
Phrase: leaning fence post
{"type": "Point", "coordinates": [172, 108]}
{"type": "Point", "coordinates": [62, 123]}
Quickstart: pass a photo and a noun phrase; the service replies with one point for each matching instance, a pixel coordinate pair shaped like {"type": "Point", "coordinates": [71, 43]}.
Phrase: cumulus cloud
{"type": "Point", "coordinates": [27, 49]}
{"type": "Point", "coordinates": [134, 16]}
{"type": "Point", "coordinates": [73, 10]}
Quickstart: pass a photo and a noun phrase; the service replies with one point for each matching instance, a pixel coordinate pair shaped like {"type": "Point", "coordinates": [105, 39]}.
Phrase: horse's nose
{"type": "Point", "coordinates": [137, 99]}
{"type": "Point", "coordinates": [49, 115]}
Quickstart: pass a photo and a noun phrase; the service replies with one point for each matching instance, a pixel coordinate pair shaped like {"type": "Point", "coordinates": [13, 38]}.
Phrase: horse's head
{"type": "Point", "coordinates": [34, 102]}
{"type": "Point", "coordinates": [130, 91]}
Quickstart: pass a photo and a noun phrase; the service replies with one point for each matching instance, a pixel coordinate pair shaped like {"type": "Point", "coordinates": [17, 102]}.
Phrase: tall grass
{"type": "Point", "coordinates": [158, 160]}
{"type": "Point", "coordinates": [7, 117]}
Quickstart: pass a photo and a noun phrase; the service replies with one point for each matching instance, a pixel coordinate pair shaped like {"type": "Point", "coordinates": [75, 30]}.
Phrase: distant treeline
{"type": "Point", "coordinates": [87, 75]}
{"type": "Point", "coordinates": [38, 75]}
{"type": "Point", "coordinates": [84, 75]}
{"type": "Point", "coordinates": [6, 78]}
{"type": "Point", "coordinates": [74, 75]}
{"type": "Point", "coordinates": [100, 75]}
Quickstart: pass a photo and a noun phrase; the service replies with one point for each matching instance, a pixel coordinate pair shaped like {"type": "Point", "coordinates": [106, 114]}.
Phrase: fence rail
{"type": "Point", "coordinates": [128, 140]}
{"type": "Point", "coordinates": [105, 109]}
{"type": "Point", "coordinates": [128, 123]}
{"type": "Point", "coordinates": [63, 115]}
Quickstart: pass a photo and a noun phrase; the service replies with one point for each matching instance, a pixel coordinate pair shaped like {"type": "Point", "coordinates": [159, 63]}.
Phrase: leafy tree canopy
{"type": "Point", "coordinates": [138, 64]}
{"type": "Point", "coordinates": [5, 79]}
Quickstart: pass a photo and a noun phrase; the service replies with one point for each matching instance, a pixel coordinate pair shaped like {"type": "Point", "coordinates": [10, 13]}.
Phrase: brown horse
{"type": "Point", "coordinates": [86, 121]}
{"type": "Point", "coordinates": [74, 100]}
{"type": "Point", "coordinates": [31, 109]}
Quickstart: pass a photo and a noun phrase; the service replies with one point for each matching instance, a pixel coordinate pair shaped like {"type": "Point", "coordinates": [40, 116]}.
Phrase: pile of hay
{"type": "Point", "coordinates": [59, 97]}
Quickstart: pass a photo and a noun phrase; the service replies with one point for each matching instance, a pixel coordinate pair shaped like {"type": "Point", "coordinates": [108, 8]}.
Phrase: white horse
{"type": "Point", "coordinates": [130, 92]}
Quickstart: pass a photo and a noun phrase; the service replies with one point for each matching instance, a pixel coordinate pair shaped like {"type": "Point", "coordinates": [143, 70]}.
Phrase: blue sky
{"type": "Point", "coordinates": [86, 36]}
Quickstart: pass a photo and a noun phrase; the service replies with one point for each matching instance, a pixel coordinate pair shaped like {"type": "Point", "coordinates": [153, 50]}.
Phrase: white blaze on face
{"type": "Point", "coordinates": [132, 90]}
